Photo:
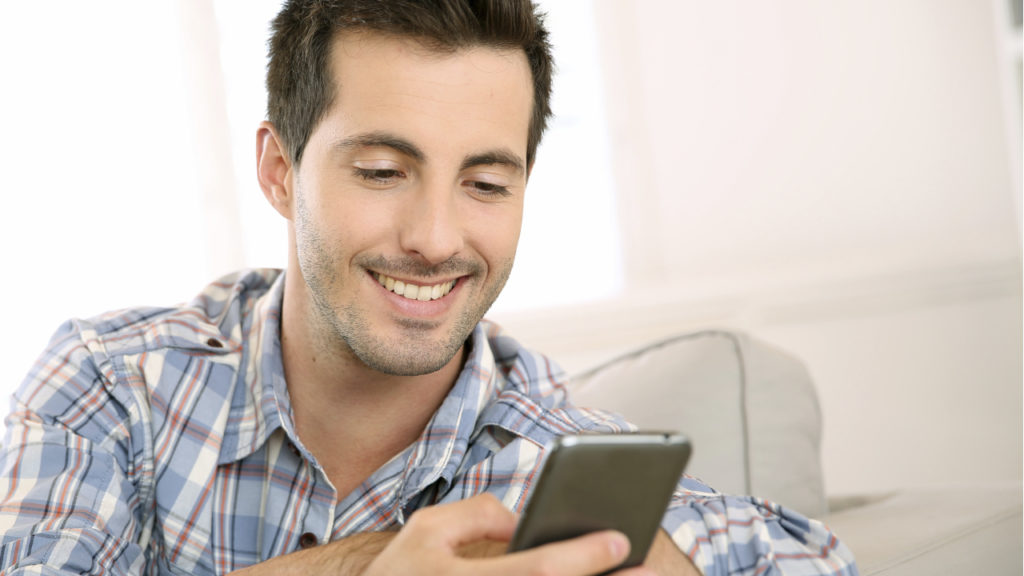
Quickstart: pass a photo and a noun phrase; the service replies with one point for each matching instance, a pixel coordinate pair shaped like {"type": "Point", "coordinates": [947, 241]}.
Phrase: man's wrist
{"type": "Point", "coordinates": [354, 554]}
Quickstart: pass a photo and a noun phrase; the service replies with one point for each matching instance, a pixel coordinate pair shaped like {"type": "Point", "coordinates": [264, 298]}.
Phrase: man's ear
{"type": "Point", "coordinates": [274, 169]}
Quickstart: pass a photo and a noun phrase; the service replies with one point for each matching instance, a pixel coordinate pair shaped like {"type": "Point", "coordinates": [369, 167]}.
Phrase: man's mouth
{"type": "Point", "coordinates": [414, 291]}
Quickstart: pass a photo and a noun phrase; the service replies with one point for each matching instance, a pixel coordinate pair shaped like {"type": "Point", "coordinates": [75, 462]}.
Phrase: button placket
{"type": "Point", "coordinates": [318, 518]}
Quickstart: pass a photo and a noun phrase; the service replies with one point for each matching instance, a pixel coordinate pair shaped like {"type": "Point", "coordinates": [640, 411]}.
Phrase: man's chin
{"type": "Point", "coordinates": [407, 362]}
{"type": "Point", "coordinates": [418, 348]}
{"type": "Point", "coordinates": [403, 345]}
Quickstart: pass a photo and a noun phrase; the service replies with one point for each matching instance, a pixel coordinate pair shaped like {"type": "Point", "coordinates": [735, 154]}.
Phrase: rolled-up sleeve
{"type": "Point", "coordinates": [67, 502]}
{"type": "Point", "coordinates": [746, 535]}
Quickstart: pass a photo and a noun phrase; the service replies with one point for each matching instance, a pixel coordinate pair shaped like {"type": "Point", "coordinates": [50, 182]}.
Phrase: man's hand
{"type": "Point", "coordinates": [451, 538]}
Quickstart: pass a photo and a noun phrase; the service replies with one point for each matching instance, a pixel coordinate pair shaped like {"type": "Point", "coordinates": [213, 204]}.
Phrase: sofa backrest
{"type": "Point", "coordinates": [749, 408]}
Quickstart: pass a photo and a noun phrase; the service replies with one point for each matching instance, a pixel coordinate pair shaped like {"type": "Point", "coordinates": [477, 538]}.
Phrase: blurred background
{"type": "Point", "coordinates": [841, 179]}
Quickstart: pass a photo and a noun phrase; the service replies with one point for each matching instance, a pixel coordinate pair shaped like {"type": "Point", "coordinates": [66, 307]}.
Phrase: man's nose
{"type": "Point", "coordinates": [431, 227]}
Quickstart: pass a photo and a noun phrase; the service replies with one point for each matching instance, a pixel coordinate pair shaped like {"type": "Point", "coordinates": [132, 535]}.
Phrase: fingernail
{"type": "Point", "coordinates": [619, 545]}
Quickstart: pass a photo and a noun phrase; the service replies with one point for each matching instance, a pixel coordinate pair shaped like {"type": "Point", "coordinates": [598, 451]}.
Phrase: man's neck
{"type": "Point", "coordinates": [351, 417]}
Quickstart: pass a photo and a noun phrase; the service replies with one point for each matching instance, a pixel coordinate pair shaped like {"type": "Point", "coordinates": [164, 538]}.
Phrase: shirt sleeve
{"type": "Point", "coordinates": [746, 535]}
{"type": "Point", "coordinates": [68, 504]}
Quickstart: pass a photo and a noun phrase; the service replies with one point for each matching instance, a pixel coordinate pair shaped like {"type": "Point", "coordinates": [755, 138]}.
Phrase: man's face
{"type": "Point", "coordinates": [409, 198]}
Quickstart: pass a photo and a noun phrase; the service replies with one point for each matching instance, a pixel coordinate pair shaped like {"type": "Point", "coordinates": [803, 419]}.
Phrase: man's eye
{"type": "Point", "coordinates": [489, 189]}
{"type": "Point", "coordinates": [378, 176]}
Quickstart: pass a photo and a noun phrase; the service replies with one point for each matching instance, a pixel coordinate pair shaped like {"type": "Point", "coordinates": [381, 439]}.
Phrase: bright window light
{"type": "Point", "coordinates": [102, 210]}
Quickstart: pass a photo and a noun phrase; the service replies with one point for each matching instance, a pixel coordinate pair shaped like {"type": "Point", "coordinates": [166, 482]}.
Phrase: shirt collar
{"type": "Point", "coordinates": [260, 404]}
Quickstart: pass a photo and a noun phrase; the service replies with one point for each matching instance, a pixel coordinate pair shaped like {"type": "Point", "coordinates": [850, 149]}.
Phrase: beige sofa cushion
{"type": "Point", "coordinates": [750, 409]}
{"type": "Point", "coordinates": [953, 531]}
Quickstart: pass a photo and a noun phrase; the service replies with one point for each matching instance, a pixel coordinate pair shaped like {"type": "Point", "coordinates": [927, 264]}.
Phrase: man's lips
{"type": "Point", "coordinates": [422, 293]}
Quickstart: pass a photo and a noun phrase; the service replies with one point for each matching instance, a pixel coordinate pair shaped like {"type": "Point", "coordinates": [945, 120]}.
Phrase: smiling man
{"type": "Point", "coordinates": [354, 413]}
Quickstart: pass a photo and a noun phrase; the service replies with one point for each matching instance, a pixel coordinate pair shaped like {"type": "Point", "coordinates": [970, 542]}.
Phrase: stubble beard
{"type": "Point", "coordinates": [414, 352]}
{"type": "Point", "coordinates": [346, 329]}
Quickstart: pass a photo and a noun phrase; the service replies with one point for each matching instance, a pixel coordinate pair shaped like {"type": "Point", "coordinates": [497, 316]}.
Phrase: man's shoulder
{"type": "Point", "coordinates": [206, 322]}
{"type": "Point", "coordinates": [129, 351]}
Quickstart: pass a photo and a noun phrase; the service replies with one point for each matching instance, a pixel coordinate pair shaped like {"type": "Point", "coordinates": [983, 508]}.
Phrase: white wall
{"type": "Point", "coordinates": [795, 141]}
{"type": "Point", "coordinates": [833, 177]}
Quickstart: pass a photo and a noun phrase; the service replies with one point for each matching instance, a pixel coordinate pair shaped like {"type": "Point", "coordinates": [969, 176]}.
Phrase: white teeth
{"type": "Point", "coordinates": [413, 291]}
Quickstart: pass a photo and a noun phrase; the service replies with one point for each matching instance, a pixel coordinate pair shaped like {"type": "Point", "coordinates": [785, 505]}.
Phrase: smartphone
{"type": "Point", "coordinates": [592, 482]}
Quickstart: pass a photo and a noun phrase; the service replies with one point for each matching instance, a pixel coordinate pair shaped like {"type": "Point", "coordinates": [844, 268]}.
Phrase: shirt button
{"type": "Point", "coordinates": [308, 540]}
{"type": "Point", "coordinates": [214, 343]}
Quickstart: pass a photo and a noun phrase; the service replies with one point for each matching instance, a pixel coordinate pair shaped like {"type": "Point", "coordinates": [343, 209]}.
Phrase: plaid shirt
{"type": "Point", "coordinates": [161, 441]}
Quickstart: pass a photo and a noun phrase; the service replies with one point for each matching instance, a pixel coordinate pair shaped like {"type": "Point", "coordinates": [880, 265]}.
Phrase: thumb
{"type": "Point", "coordinates": [593, 553]}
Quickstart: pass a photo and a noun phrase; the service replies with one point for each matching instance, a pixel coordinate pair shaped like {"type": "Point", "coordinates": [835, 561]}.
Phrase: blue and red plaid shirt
{"type": "Point", "coordinates": [161, 441]}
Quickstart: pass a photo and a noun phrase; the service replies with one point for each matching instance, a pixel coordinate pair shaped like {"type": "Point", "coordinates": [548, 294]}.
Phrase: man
{"type": "Point", "coordinates": [353, 414]}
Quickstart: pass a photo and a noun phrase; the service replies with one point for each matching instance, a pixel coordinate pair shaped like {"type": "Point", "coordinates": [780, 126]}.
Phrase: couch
{"type": "Point", "coordinates": [752, 413]}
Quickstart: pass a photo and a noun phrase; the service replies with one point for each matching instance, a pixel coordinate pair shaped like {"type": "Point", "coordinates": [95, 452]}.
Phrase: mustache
{"type": "Point", "coordinates": [410, 266]}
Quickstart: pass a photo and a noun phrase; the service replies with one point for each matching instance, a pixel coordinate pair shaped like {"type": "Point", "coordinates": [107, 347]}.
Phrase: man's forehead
{"type": "Point", "coordinates": [386, 46]}
{"type": "Point", "coordinates": [402, 94]}
{"type": "Point", "coordinates": [382, 70]}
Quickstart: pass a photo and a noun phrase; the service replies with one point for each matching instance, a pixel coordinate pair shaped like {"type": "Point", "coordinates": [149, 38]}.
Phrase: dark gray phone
{"type": "Point", "coordinates": [594, 482]}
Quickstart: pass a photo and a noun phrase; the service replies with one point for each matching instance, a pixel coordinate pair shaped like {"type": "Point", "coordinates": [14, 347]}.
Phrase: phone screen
{"type": "Point", "coordinates": [594, 482]}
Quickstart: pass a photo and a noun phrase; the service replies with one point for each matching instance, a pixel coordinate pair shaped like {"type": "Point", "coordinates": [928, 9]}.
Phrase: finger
{"type": "Point", "coordinates": [590, 554]}
{"type": "Point", "coordinates": [481, 517]}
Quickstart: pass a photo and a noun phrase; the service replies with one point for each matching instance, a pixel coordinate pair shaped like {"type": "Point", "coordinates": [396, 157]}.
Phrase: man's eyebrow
{"type": "Point", "coordinates": [381, 140]}
{"type": "Point", "coordinates": [497, 156]}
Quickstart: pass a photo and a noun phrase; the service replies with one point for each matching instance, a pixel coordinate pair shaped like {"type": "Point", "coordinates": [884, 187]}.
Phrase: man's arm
{"type": "Point", "coordinates": [348, 556]}
{"type": "Point", "coordinates": [665, 558]}
{"type": "Point", "coordinates": [435, 538]}
{"type": "Point", "coordinates": [64, 503]}
{"type": "Point", "coordinates": [68, 483]}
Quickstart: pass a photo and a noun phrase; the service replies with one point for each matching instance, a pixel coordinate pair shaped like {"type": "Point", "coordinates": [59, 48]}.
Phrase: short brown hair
{"type": "Point", "coordinates": [299, 86]}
